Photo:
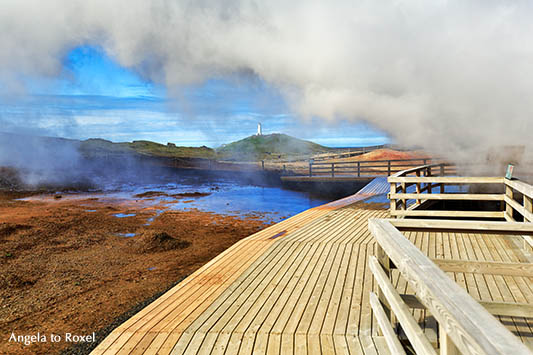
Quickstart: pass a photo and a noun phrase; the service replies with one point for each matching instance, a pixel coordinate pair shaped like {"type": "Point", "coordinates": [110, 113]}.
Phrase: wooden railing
{"type": "Point", "coordinates": [464, 325]}
{"type": "Point", "coordinates": [413, 190]}
{"type": "Point", "coordinates": [348, 152]}
{"type": "Point", "coordinates": [363, 168]}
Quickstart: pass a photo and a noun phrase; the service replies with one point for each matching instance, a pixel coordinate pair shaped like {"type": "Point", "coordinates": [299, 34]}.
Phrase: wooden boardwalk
{"type": "Point", "coordinates": [485, 287]}
{"type": "Point", "coordinates": [302, 286]}
{"type": "Point", "coordinates": [297, 286]}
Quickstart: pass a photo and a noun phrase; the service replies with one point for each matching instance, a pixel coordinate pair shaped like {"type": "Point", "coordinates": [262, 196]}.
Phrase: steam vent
{"type": "Point", "coordinates": [388, 208]}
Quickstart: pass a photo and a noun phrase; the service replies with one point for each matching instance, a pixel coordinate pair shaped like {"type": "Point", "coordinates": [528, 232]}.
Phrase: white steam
{"type": "Point", "coordinates": [448, 75]}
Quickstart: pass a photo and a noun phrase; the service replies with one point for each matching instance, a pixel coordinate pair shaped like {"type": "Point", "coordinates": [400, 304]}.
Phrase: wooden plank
{"type": "Point", "coordinates": [447, 347]}
{"type": "Point", "coordinates": [418, 191]}
{"type": "Point", "coordinates": [401, 311]}
{"type": "Point", "coordinates": [274, 344]}
{"type": "Point", "coordinates": [471, 328]}
{"type": "Point", "coordinates": [413, 170]}
{"type": "Point", "coordinates": [385, 326]}
{"type": "Point", "coordinates": [447, 180]}
{"type": "Point", "coordinates": [366, 325]}
{"type": "Point", "coordinates": [252, 314]}
{"type": "Point", "coordinates": [528, 205]}
{"type": "Point", "coordinates": [509, 309]}
{"type": "Point", "coordinates": [223, 319]}
{"type": "Point", "coordinates": [280, 307]}
{"type": "Point", "coordinates": [508, 200]}
{"type": "Point", "coordinates": [512, 204]}
{"type": "Point", "coordinates": [190, 302]}
{"type": "Point", "coordinates": [520, 186]}
{"type": "Point", "coordinates": [287, 320]}
{"type": "Point", "coordinates": [381, 345]}
{"type": "Point", "coordinates": [341, 345]}
{"type": "Point", "coordinates": [528, 240]}
{"type": "Point", "coordinates": [354, 344]}
{"type": "Point", "coordinates": [342, 320]}
{"type": "Point", "coordinates": [136, 324]}
{"type": "Point", "coordinates": [327, 345]}
{"type": "Point", "coordinates": [435, 213]}
{"type": "Point", "coordinates": [321, 286]}
{"type": "Point", "coordinates": [392, 200]}
{"type": "Point", "coordinates": [486, 267]}
{"type": "Point", "coordinates": [430, 323]}
{"type": "Point", "coordinates": [217, 312]}
{"type": "Point", "coordinates": [331, 309]}
{"type": "Point", "coordinates": [199, 331]}
{"type": "Point", "coordinates": [497, 308]}
{"type": "Point", "coordinates": [452, 225]}
{"type": "Point", "coordinates": [169, 329]}
{"type": "Point", "coordinates": [458, 197]}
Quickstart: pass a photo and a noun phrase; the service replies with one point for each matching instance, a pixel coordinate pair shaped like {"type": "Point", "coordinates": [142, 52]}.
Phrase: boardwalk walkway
{"type": "Point", "coordinates": [298, 286]}
{"type": "Point", "coordinates": [302, 286]}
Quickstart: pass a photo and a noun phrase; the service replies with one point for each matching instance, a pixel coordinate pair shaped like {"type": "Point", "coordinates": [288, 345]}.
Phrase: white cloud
{"type": "Point", "coordinates": [453, 75]}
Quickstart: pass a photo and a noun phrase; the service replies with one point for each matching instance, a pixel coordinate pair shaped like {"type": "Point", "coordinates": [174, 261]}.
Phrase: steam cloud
{"type": "Point", "coordinates": [452, 76]}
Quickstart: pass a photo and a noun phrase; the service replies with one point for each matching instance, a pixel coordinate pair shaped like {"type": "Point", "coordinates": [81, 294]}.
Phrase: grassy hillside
{"type": "Point", "coordinates": [269, 146]}
{"type": "Point", "coordinates": [161, 150]}
{"type": "Point", "coordinates": [97, 147]}
{"type": "Point", "coordinates": [272, 146]}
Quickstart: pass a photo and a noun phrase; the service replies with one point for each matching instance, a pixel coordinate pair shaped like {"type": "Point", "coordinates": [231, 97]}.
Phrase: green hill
{"type": "Point", "coordinates": [269, 146]}
{"type": "Point", "coordinates": [272, 146]}
{"type": "Point", "coordinates": [95, 147]}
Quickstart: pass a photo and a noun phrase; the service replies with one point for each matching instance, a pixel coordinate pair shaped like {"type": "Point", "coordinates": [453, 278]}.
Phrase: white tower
{"type": "Point", "coordinates": [259, 130]}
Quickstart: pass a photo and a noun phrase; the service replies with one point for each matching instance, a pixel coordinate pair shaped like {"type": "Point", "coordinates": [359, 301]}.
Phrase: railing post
{"type": "Point", "coordinates": [310, 167]}
{"type": "Point", "coordinates": [358, 169]}
{"type": "Point", "coordinates": [508, 209]}
{"type": "Point", "coordinates": [418, 186]}
{"type": "Point", "coordinates": [389, 168]}
{"type": "Point", "coordinates": [385, 262]}
{"type": "Point", "coordinates": [404, 201]}
{"type": "Point", "coordinates": [425, 162]}
{"type": "Point", "coordinates": [446, 346]}
{"type": "Point", "coordinates": [332, 169]}
{"type": "Point", "coordinates": [442, 174]}
{"type": "Point", "coordinates": [528, 205]}
{"type": "Point", "coordinates": [393, 200]}
{"type": "Point", "coordinates": [429, 185]}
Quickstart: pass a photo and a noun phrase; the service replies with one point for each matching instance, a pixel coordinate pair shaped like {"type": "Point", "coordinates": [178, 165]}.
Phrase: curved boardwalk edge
{"type": "Point", "coordinates": [298, 285]}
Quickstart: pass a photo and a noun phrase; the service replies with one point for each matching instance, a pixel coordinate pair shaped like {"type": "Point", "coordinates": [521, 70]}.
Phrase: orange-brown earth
{"type": "Point", "coordinates": [64, 269]}
{"type": "Point", "coordinates": [389, 154]}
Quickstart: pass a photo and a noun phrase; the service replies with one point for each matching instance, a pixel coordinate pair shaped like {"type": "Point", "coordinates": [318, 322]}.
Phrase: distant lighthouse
{"type": "Point", "coordinates": [259, 130]}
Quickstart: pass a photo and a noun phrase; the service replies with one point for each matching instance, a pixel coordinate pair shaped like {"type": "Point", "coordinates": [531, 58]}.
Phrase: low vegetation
{"type": "Point", "coordinates": [272, 146]}
{"type": "Point", "coordinates": [99, 147]}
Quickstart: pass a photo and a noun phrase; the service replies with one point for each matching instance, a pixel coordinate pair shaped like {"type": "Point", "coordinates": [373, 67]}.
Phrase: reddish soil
{"type": "Point", "coordinates": [65, 269]}
{"type": "Point", "coordinates": [389, 154]}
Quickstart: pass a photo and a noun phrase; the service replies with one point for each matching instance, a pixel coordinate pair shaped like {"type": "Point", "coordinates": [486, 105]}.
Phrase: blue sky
{"type": "Point", "coordinates": [96, 97]}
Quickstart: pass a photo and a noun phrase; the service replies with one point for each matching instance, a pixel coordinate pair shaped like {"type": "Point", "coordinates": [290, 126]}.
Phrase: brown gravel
{"type": "Point", "coordinates": [63, 269]}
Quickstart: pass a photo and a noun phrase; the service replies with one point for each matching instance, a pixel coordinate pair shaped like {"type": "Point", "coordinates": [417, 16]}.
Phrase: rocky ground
{"type": "Point", "coordinates": [67, 266]}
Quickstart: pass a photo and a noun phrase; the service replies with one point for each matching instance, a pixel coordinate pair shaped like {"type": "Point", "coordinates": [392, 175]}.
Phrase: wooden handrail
{"type": "Point", "coordinates": [373, 167]}
{"type": "Point", "coordinates": [414, 170]}
{"type": "Point", "coordinates": [401, 205]}
{"type": "Point", "coordinates": [372, 161]}
{"type": "Point", "coordinates": [466, 180]}
{"type": "Point", "coordinates": [471, 328]}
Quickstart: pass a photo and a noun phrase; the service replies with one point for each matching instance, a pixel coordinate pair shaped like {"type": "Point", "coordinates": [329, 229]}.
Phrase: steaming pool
{"type": "Point", "coordinates": [270, 204]}
{"type": "Point", "coordinates": [187, 192]}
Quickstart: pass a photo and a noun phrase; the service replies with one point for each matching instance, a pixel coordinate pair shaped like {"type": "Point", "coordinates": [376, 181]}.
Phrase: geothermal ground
{"type": "Point", "coordinates": [68, 265]}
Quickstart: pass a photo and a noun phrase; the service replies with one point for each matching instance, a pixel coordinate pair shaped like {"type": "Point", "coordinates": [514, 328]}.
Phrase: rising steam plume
{"type": "Point", "coordinates": [452, 76]}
